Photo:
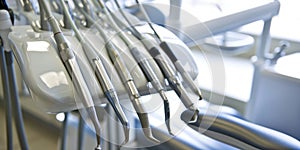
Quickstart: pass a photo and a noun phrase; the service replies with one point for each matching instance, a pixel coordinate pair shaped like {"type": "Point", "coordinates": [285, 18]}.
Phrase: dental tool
{"type": "Point", "coordinates": [68, 58]}
{"type": "Point", "coordinates": [174, 81]}
{"type": "Point", "coordinates": [126, 78]}
{"type": "Point", "coordinates": [177, 63]}
{"type": "Point", "coordinates": [101, 74]}
{"type": "Point", "coordinates": [167, 70]}
{"type": "Point", "coordinates": [142, 61]}
{"type": "Point", "coordinates": [131, 88]}
{"type": "Point", "coordinates": [14, 106]}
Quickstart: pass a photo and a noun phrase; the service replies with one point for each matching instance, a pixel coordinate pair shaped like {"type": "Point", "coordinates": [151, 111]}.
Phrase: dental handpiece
{"type": "Point", "coordinates": [68, 58]}
{"type": "Point", "coordinates": [142, 61]}
{"type": "Point", "coordinates": [179, 66]}
{"type": "Point", "coordinates": [167, 70]}
{"type": "Point", "coordinates": [151, 76]}
{"type": "Point", "coordinates": [126, 78]}
{"type": "Point", "coordinates": [128, 82]}
{"type": "Point", "coordinates": [174, 81]}
{"type": "Point", "coordinates": [101, 74]}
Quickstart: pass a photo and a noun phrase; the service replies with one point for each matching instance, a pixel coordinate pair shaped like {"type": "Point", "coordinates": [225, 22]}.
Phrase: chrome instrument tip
{"type": "Point", "coordinates": [195, 117]}
{"type": "Point", "coordinates": [148, 134]}
{"type": "Point", "coordinates": [98, 147]}
{"type": "Point", "coordinates": [126, 133]}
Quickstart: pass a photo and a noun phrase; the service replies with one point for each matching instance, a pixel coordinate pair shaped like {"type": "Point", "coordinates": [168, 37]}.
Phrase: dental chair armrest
{"type": "Point", "coordinates": [249, 133]}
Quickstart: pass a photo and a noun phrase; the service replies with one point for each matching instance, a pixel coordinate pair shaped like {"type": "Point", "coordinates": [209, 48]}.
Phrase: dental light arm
{"type": "Point", "coordinates": [254, 135]}
{"type": "Point", "coordinates": [165, 46]}
{"type": "Point", "coordinates": [101, 74]}
{"type": "Point", "coordinates": [166, 69]}
{"type": "Point", "coordinates": [68, 58]}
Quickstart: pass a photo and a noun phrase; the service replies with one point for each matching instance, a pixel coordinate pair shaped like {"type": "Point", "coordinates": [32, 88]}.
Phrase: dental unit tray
{"type": "Point", "coordinates": [49, 82]}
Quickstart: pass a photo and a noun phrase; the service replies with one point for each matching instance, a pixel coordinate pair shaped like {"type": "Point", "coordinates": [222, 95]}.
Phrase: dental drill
{"type": "Point", "coordinates": [68, 58]}
{"type": "Point", "coordinates": [143, 63]}
{"type": "Point", "coordinates": [167, 70]}
{"type": "Point", "coordinates": [126, 78]}
{"type": "Point", "coordinates": [100, 72]}
{"type": "Point", "coordinates": [164, 45]}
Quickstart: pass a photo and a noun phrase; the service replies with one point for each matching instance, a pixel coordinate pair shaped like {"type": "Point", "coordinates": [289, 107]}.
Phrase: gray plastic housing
{"type": "Point", "coordinates": [50, 84]}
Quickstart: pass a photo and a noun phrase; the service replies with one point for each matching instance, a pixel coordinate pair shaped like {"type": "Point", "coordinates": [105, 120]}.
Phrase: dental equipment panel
{"type": "Point", "coordinates": [83, 55]}
{"type": "Point", "coordinates": [32, 45]}
{"type": "Point", "coordinates": [52, 86]}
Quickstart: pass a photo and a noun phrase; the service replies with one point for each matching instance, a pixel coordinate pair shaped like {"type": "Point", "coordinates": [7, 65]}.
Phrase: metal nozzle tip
{"type": "Point", "coordinates": [126, 133]}
{"type": "Point", "coordinates": [153, 139]}
{"type": "Point", "coordinates": [98, 147]}
{"type": "Point", "coordinates": [200, 94]}
{"type": "Point", "coordinates": [171, 133]}
{"type": "Point", "coordinates": [168, 124]}
{"type": "Point", "coordinates": [200, 97]}
{"type": "Point", "coordinates": [148, 134]}
{"type": "Point", "coordinates": [195, 117]}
